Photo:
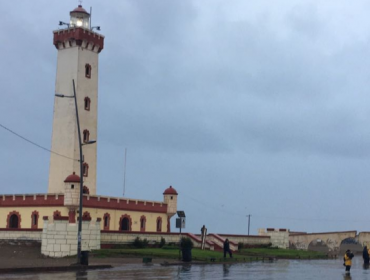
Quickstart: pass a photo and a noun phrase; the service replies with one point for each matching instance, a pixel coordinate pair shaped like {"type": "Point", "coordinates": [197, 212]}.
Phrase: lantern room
{"type": "Point", "coordinates": [79, 18]}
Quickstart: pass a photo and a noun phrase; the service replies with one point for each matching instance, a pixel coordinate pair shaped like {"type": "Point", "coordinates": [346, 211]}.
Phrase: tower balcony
{"type": "Point", "coordinates": [78, 36]}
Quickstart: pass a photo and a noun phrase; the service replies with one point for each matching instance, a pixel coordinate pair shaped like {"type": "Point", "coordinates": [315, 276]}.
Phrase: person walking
{"type": "Point", "coordinates": [365, 256]}
{"type": "Point", "coordinates": [227, 248]}
{"type": "Point", "coordinates": [348, 260]}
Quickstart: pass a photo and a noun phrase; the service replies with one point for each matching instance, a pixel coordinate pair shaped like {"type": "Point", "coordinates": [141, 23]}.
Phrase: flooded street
{"type": "Point", "coordinates": [281, 269]}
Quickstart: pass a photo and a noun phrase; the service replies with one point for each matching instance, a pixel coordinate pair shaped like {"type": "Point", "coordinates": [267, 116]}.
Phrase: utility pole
{"type": "Point", "coordinates": [249, 222]}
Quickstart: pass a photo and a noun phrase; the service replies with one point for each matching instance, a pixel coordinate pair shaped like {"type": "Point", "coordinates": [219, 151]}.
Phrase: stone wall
{"type": "Point", "coordinates": [117, 238]}
{"type": "Point", "coordinates": [331, 239]}
{"type": "Point", "coordinates": [129, 237]}
{"type": "Point", "coordinates": [278, 237]}
{"type": "Point", "coordinates": [364, 238]}
{"type": "Point", "coordinates": [21, 235]}
{"type": "Point", "coordinates": [59, 237]}
{"type": "Point", "coordinates": [247, 239]}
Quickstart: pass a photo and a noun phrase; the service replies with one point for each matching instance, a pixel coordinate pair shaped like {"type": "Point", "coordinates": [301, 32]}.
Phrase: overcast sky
{"type": "Point", "coordinates": [244, 107]}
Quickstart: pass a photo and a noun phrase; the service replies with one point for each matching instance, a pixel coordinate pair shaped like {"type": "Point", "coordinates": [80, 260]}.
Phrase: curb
{"type": "Point", "coordinates": [53, 269]}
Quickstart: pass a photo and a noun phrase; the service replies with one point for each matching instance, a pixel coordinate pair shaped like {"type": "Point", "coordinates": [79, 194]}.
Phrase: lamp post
{"type": "Point", "coordinates": [80, 144]}
{"type": "Point", "coordinates": [249, 222]}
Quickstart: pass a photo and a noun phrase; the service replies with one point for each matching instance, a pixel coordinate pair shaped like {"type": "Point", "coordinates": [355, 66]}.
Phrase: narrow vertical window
{"type": "Point", "coordinates": [87, 103]}
{"type": "Point", "coordinates": [142, 223]}
{"type": "Point", "coordinates": [106, 221]}
{"type": "Point", "coordinates": [85, 169]}
{"type": "Point", "coordinates": [34, 219]}
{"type": "Point", "coordinates": [159, 224]}
{"type": "Point", "coordinates": [86, 136]}
{"type": "Point", "coordinates": [88, 71]}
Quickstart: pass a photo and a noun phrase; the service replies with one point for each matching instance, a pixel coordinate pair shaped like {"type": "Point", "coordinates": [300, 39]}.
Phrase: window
{"type": "Point", "coordinates": [87, 103]}
{"type": "Point", "coordinates": [125, 223]}
{"type": "Point", "coordinates": [86, 136]}
{"type": "Point", "coordinates": [85, 169]}
{"type": "Point", "coordinates": [14, 221]}
{"type": "Point", "coordinates": [34, 219]}
{"type": "Point", "coordinates": [142, 223]}
{"type": "Point", "coordinates": [57, 214]}
{"type": "Point", "coordinates": [106, 221]}
{"type": "Point", "coordinates": [159, 224]}
{"type": "Point", "coordinates": [85, 190]}
{"type": "Point", "coordinates": [86, 216]}
{"type": "Point", "coordinates": [88, 71]}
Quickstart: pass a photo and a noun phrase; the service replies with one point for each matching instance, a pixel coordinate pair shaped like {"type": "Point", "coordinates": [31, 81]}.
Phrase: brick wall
{"type": "Point", "coordinates": [59, 237]}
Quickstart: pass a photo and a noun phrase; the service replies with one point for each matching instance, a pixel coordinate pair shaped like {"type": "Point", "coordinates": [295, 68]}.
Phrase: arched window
{"type": "Point", "coordinates": [85, 190]}
{"type": "Point", "coordinates": [159, 224]}
{"type": "Point", "coordinates": [85, 169]}
{"type": "Point", "coordinates": [86, 216]}
{"type": "Point", "coordinates": [88, 71]}
{"type": "Point", "coordinates": [14, 220]}
{"type": "Point", "coordinates": [34, 219]}
{"type": "Point", "coordinates": [87, 103]}
{"type": "Point", "coordinates": [57, 214]}
{"type": "Point", "coordinates": [106, 221]}
{"type": "Point", "coordinates": [125, 223]}
{"type": "Point", "coordinates": [142, 223]}
{"type": "Point", "coordinates": [86, 136]}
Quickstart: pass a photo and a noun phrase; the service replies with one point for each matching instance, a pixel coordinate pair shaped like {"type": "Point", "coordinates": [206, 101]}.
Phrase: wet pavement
{"type": "Point", "coordinates": [281, 269]}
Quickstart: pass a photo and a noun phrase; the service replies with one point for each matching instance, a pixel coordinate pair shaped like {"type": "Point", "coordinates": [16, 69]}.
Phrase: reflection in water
{"type": "Point", "coordinates": [184, 271]}
{"type": "Point", "coordinates": [347, 276]}
{"type": "Point", "coordinates": [226, 269]}
{"type": "Point", "coordinates": [277, 270]}
{"type": "Point", "coordinates": [81, 275]}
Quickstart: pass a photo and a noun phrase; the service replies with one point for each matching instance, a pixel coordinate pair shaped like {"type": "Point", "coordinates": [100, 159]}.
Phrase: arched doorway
{"type": "Point", "coordinates": [352, 244]}
{"type": "Point", "coordinates": [318, 245]}
{"type": "Point", "coordinates": [125, 224]}
{"type": "Point", "coordinates": [14, 221]}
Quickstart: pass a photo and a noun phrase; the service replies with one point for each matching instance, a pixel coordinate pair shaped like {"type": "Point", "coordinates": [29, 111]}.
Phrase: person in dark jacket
{"type": "Point", "coordinates": [348, 260]}
{"type": "Point", "coordinates": [227, 248]}
{"type": "Point", "coordinates": [365, 256]}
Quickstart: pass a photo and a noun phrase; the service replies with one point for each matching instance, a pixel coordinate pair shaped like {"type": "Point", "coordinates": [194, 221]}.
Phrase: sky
{"type": "Point", "coordinates": [257, 108]}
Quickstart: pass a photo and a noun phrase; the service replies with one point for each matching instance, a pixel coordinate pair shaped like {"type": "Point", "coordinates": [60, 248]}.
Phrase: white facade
{"type": "Point", "coordinates": [78, 49]}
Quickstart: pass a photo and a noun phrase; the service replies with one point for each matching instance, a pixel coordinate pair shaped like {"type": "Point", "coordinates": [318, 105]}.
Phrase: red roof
{"type": "Point", "coordinates": [73, 178]}
{"type": "Point", "coordinates": [170, 190]}
{"type": "Point", "coordinates": [79, 9]}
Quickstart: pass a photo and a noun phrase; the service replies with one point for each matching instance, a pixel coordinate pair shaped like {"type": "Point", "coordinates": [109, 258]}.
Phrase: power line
{"type": "Point", "coordinates": [33, 143]}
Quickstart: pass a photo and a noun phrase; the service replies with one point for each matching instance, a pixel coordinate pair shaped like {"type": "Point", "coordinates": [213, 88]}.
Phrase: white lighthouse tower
{"type": "Point", "coordinates": [78, 52]}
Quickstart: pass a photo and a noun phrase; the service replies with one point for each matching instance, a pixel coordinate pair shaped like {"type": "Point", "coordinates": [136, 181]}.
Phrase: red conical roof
{"type": "Point", "coordinates": [79, 9]}
{"type": "Point", "coordinates": [170, 190]}
{"type": "Point", "coordinates": [73, 178]}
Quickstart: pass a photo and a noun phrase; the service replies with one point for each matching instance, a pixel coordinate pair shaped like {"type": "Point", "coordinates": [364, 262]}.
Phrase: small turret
{"type": "Point", "coordinates": [170, 198]}
{"type": "Point", "coordinates": [72, 191]}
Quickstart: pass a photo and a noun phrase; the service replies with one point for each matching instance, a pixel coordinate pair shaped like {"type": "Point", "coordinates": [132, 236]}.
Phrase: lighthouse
{"type": "Point", "coordinates": [78, 49]}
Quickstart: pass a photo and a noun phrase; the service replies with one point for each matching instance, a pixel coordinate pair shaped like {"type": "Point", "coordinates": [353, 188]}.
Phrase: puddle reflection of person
{"type": "Point", "coordinates": [347, 277]}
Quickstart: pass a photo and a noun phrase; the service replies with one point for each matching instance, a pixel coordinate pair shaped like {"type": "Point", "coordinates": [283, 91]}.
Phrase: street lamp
{"type": "Point", "coordinates": [81, 169]}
